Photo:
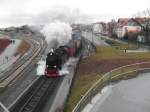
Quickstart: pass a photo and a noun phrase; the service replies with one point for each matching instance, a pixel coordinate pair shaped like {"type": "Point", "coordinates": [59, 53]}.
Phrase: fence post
{"type": "Point", "coordinates": [109, 80]}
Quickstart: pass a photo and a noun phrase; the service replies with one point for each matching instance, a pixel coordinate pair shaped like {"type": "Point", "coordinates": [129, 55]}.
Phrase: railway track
{"type": "Point", "coordinates": [15, 73]}
{"type": "Point", "coordinates": [18, 63]}
{"type": "Point", "coordinates": [35, 97]}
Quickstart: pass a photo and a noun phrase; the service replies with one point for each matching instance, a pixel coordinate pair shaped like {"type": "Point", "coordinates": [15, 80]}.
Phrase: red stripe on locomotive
{"type": "Point", "coordinates": [52, 73]}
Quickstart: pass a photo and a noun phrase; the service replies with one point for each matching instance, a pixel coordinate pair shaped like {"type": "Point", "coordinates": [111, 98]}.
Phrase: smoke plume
{"type": "Point", "coordinates": [57, 22]}
{"type": "Point", "coordinates": [58, 31]}
{"type": "Point", "coordinates": [62, 14]}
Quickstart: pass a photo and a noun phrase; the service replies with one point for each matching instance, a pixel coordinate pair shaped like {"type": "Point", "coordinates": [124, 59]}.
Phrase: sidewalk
{"type": "Point", "coordinates": [7, 57]}
{"type": "Point", "coordinates": [138, 50]}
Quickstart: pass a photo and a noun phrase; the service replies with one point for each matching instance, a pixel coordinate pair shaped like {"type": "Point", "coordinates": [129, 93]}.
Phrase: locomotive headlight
{"type": "Point", "coordinates": [55, 66]}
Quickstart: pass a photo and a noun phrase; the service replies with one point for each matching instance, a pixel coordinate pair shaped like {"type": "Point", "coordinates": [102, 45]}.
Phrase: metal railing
{"type": "Point", "coordinates": [3, 108]}
{"type": "Point", "coordinates": [119, 73]}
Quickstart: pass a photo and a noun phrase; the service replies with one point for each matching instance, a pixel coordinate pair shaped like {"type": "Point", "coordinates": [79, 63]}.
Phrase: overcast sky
{"type": "Point", "coordinates": [22, 11]}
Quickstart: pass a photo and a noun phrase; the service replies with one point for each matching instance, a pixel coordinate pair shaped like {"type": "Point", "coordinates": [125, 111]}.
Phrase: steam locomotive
{"type": "Point", "coordinates": [56, 58]}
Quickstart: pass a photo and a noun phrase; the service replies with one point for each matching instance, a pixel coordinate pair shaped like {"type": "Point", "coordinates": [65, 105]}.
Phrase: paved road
{"type": "Point", "coordinates": [127, 96]}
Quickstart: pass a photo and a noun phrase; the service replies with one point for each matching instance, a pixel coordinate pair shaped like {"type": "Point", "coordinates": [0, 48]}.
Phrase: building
{"type": "Point", "coordinates": [128, 28]}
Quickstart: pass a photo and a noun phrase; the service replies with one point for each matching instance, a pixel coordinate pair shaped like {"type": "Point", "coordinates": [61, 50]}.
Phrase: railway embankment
{"type": "Point", "coordinates": [94, 67]}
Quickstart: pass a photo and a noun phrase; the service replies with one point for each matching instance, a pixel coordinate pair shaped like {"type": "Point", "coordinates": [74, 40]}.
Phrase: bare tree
{"type": "Point", "coordinates": [112, 26]}
{"type": "Point", "coordinates": [146, 26]}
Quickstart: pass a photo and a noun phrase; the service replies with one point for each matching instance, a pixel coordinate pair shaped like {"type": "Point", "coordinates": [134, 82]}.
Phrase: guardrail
{"type": "Point", "coordinates": [3, 108]}
{"type": "Point", "coordinates": [124, 72]}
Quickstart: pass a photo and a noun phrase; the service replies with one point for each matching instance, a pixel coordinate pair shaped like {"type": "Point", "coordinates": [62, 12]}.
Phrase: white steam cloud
{"type": "Point", "coordinates": [59, 31]}
{"type": "Point", "coordinates": [63, 14]}
{"type": "Point", "coordinates": [49, 15]}
{"type": "Point", "coordinates": [57, 22]}
{"type": "Point", "coordinates": [41, 67]}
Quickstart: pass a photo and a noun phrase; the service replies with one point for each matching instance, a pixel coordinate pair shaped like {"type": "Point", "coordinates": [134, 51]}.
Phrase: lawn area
{"type": "Point", "coordinates": [80, 86]}
{"type": "Point", "coordinates": [106, 52]}
{"type": "Point", "coordinates": [92, 68]}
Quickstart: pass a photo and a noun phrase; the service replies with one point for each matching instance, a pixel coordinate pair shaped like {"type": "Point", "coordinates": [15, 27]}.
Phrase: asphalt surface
{"type": "Point", "coordinates": [127, 96]}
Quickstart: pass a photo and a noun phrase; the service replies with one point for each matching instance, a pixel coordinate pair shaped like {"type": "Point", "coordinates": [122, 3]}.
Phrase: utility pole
{"type": "Point", "coordinates": [93, 38]}
{"type": "Point", "coordinates": [92, 34]}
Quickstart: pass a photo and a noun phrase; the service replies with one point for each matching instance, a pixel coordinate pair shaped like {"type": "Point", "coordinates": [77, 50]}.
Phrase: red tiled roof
{"type": "Point", "coordinates": [3, 44]}
{"type": "Point", "coordinates": [124, 21]}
